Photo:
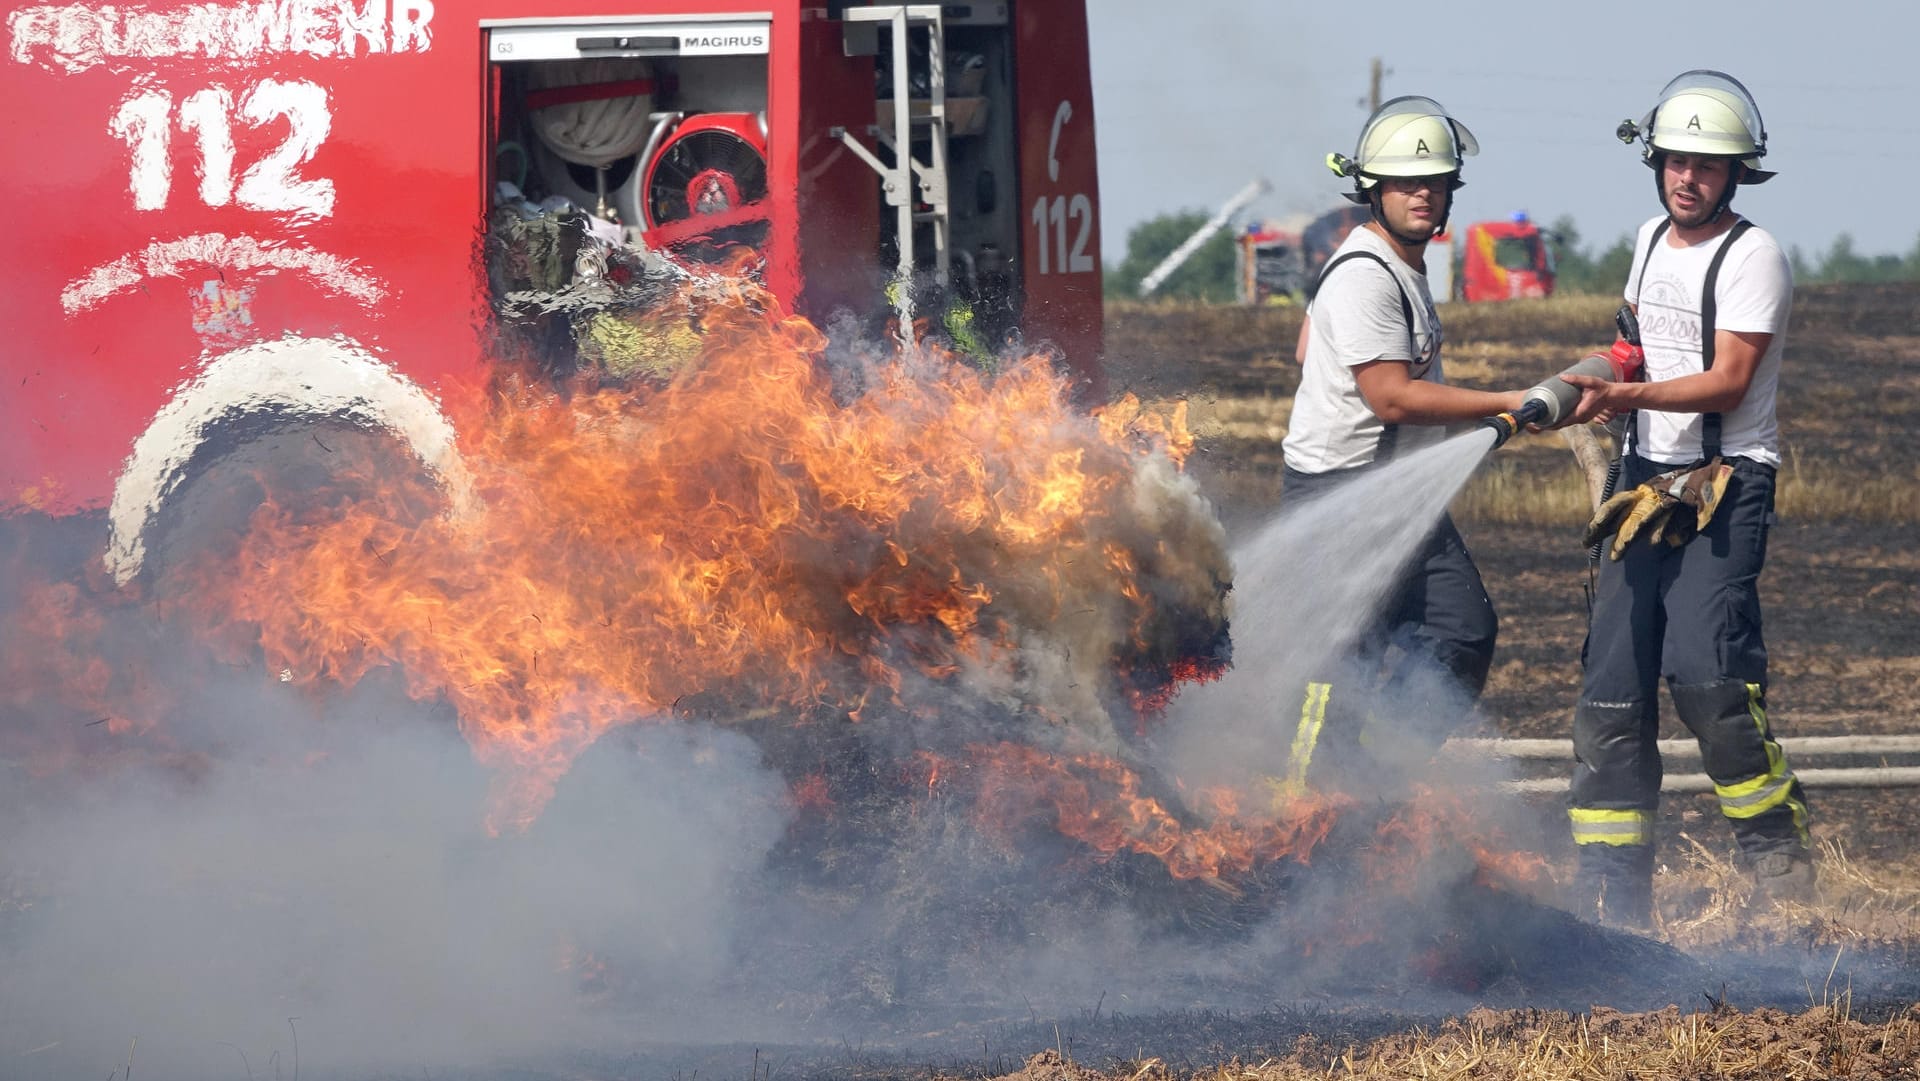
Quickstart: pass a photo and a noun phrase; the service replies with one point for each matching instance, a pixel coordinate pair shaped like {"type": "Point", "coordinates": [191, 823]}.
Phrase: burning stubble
{"type": "Point", "coordinates": [563, 770]}
{"type": "Point", "coordinates": [1401, 829]}
{"type": "Point", "coordinates": [755, 700]}
{"type": "Point", "coordinates": [739, 540]}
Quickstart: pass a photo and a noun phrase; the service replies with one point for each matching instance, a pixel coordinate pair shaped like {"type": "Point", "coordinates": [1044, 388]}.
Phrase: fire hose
{"type": "Point", "coordinates": [1629, 325]}
{"type": "Point", "coordinates": [1549, 401]}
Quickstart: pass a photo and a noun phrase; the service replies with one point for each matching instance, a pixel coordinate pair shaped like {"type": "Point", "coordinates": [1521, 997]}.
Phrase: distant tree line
{"type": "Point", "coordinates": [1210, 273]}
{"type": "Point", "coordinates": [1584, 271]}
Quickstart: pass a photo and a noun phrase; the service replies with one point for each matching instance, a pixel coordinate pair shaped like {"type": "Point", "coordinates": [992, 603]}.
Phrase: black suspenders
{"type": "Point", "coordinates": [1390, 433]}
{"type": "Point", "coordinates": [1709, 422]}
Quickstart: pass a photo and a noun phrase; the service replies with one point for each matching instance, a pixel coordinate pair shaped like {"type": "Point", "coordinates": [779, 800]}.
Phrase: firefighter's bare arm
{"type": "Point", "coordinates": [1398, 398]}
{"type": "Point", "coordinates": [1736, 356]}
{"type": "Point", "coordinates": [1300, 346]}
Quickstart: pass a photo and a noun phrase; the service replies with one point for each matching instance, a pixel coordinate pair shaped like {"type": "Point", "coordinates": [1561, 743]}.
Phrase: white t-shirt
{"type": "Point", "coordinates": [1358, 317]}
{"type": "Point", "coordinates": [1753, 294]}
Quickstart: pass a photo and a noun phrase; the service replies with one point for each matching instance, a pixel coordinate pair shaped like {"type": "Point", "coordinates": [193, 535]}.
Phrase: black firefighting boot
{"type": "Point", "coordinates": [1614, 792]}
{"type": "Point", "coordinates": [1613, 885]}
{"type": "Point", "coordinates": [1759, 795]}
{"type": "Point", "coordinates": [1785, 875]}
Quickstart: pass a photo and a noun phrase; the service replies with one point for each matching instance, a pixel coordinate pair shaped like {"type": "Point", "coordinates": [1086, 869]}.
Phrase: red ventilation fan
{"type": "Point", "coordinates": [708, 180]}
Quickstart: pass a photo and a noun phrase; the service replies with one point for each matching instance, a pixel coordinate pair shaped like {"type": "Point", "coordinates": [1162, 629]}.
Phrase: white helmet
{"type": "Point", "coordinates": [1408, 136]}
{"type": "Point", "coordinates": [1704, 112]}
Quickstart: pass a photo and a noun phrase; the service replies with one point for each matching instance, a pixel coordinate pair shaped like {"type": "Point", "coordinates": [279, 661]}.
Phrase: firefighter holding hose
{"type": "Point", "coordinates": [1677, 595]}
{"type": "Point", "coordinates": [1372, 389]}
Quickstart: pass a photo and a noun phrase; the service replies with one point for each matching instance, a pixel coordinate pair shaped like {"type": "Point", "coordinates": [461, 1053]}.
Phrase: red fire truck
{"type": "Point", "coordinates": [232, 216]}
{"type": "Point", "coordinates": [1503, 260]}
{"type": "Point", "coordinates": [1281, 261]}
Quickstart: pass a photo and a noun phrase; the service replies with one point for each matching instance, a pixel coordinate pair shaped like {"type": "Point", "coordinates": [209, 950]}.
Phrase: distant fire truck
{"type": "Point", "coordinates": [1503, 260]}
{"type": "Point", "coordinates": [229, 218]}
{"type": "Point", "coordinates": [1280, 260]}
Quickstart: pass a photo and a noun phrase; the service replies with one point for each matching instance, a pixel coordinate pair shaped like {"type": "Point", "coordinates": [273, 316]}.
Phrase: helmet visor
{"type": "Point", "coordinates": [1413, 136]}
{"type": "Point", "coordinates": [1669, 127]}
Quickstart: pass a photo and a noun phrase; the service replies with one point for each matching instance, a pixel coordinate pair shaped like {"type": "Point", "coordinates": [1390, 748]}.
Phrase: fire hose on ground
{"type": "Point", "coordinates": [1805, 746]}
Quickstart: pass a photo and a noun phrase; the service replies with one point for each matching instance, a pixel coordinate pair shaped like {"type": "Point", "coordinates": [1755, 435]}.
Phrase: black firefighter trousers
{"type": "Point", "coordinates": [1690, 615]}
{"type": "Point", "coordinates": [1424, 659]}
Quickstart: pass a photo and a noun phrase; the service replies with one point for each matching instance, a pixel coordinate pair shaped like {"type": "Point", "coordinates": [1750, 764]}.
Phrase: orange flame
{"type": "Point", "coordinates": [1432, 821]}
{"type": "Point", "coordinates": [742, 537]}
{"type": "Point", "coordinates": [737, 537]}
{"type": "Point", "coordinates": [1100, 802]}
{"type": "Point", "coordinates": [56, 641]}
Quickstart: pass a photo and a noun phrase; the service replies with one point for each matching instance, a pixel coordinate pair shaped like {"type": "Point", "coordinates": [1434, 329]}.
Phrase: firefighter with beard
{"type": "Point", "coordinates": [1678, 597]}
{"type": "Point", "coordinates": [1372, 389]}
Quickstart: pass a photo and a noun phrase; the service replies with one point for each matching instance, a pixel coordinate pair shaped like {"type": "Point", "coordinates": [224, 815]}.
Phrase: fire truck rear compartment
{"type": "Point", "coordinates": [638, 141]}
{"type": "Point", "coordinates": [668, 146]}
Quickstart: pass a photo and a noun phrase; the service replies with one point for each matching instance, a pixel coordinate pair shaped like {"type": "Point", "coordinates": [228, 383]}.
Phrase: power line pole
{"type": "Point", "coordinates": [1373, 87]}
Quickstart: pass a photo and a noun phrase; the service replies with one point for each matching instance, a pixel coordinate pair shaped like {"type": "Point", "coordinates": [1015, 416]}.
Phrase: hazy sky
{"type": "Point", "coordinates": [1195, 99]}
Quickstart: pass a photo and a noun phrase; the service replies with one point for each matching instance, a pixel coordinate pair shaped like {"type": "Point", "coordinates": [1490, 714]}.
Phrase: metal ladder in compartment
{"type": "Point", "coordinates": [908, 177]}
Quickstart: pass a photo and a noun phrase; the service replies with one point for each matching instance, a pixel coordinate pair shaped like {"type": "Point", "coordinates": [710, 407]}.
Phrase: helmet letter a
{"type": "Point", "coordinates": [1704, 112]}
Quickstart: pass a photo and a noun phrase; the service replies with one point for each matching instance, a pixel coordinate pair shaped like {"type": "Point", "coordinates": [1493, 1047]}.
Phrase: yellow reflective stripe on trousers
{"type": "Point", "coordinates": [1774, 788]}
{"type": "Point", "coordinates": [1756, 797]}
{"type": "Point", "coordinates": [1313, 714]}
{"type": "Point", "coordinates": [1598, 826]}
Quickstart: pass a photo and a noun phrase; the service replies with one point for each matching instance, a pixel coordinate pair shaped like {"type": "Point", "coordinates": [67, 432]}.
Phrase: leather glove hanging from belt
{"type": "Point", "coordinates": [1654, 508]}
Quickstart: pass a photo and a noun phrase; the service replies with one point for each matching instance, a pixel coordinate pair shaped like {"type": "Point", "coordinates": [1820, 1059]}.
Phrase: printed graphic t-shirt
{"type": "Point", "coordinates": [1752, 294]}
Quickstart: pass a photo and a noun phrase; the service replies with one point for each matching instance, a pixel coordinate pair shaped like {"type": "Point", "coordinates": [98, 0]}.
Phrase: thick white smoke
{"type": "Point", "coordinates": [353, 888]}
